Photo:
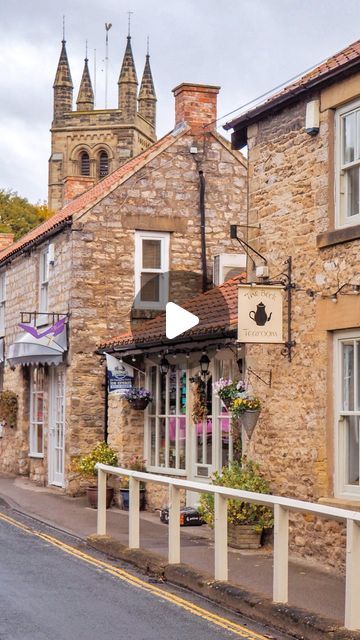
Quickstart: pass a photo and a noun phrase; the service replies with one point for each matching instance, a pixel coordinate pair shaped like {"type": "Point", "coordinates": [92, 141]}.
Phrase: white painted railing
{"type": "Point", "coordinates": [281, 507]}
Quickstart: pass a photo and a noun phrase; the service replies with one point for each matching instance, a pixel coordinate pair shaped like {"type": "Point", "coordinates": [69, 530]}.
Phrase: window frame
{"type": "Point", "coordinates": [164, 238]}
{"type": "Point", "coordinates": [2, 302]}
{"type": "Point", "coordinates": [34, 424]}
{"type": "Point", "coordinates": [44, 277]}
{"type": "Point", "coordinates": [342, 219]}
{"type": "Point", "coordinates": [342, 489]}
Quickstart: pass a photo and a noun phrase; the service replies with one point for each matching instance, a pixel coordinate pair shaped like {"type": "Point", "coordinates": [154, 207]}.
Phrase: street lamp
{"type": "Point", "coordinates": [164, 365]}
{"type": "Point", "coordinates": [204, 364]}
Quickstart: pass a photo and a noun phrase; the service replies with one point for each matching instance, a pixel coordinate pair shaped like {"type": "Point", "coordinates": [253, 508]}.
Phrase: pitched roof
{"type": "Point", "coordinates": [89, 198]}
{"type": "Point", "coordinates": [346, 60]}
{"type": "Point", "coordinates": [216, 309]}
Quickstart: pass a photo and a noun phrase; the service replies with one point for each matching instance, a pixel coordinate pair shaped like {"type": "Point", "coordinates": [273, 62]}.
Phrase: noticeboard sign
{"type": "Point", "coordinates": [260, 313]}
{"type": "Point", "coordinates": [120, 376]}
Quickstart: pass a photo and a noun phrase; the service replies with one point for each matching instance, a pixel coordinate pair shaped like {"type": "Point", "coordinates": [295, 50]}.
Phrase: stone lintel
{"type": "Point", "coordinates": [337, 236]}
{"type": "Point", "coordinates": [154, 223]}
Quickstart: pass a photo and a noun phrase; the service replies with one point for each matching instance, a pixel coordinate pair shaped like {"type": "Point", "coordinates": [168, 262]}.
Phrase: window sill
{"type": "Point", "coordinates": [342, 503]}
{"type": "Point", "coordinates": [36, 455]}
{"type": "Point", "coordinates": [338, 236]}
{"type": "Point", "coordinates": [145, 314]}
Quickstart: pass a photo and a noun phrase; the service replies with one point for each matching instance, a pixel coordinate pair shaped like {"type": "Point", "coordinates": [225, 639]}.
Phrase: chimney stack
{"type": "Point", "coordinates": [195, 104]}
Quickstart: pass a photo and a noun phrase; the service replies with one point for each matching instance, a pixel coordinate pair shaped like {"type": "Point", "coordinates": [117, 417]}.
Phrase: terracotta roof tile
{"type": "Point", "coordinates": [339, 60]}
{"type": "Point", "coordinates": [90, 197]}
{"type": "Point", "coordinates": [216, 309]}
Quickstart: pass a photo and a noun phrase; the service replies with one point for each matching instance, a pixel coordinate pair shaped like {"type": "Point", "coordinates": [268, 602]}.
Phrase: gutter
{"type": "Point", "coordinates": [64, 224]}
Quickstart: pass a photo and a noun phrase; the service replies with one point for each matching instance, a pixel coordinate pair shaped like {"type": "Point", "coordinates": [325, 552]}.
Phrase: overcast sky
{"type": "Point", "coordinates": [246, 46]}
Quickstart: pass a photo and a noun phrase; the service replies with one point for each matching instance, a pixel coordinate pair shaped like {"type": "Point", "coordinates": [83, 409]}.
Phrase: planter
{"type": "Point", "coordinates": [92, 495]}
{"type": "Point", "coordinates": [243, 536]}
{"type": "Point", "coordinates": [249, 419]}
{"type": "Point", "coordinates": [139, 404]}
{"type": "Point", "coordinates": [125, 499]}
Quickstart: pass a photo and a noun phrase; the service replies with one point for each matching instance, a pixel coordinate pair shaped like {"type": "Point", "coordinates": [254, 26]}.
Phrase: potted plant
{"type": "Point", "coordinates": [86, 467]}
{"type": "Point", "coordinates": [246, 521]}
{"type": "Point", "coordinates": [240, 401]}
{"type": "Point", "coordinates": [138, 397]}
{"type": "Point", "coordinates": [199, 407]}
{"type": "Point", "coordinates": [136, 464]}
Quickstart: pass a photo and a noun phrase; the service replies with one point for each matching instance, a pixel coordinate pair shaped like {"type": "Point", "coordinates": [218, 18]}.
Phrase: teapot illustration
{"type": "Point", "coordinates": [260, 316]}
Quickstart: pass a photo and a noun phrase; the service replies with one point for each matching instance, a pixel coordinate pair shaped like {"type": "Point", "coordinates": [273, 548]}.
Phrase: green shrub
{"type": "Point", "coordinates": [245, 476]}
{"type": "Point", "coordinates": [101, 453]}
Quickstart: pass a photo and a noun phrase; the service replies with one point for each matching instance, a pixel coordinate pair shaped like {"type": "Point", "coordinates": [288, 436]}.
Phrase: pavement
{"type": "Point", "coordinates": [310, 587]}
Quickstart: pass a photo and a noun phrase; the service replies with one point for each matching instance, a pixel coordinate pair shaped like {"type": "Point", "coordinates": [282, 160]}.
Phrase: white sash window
{"type": "Point", "coordinates": [37, 411]}
{"type": "Point", "coordinates": [348, 165]}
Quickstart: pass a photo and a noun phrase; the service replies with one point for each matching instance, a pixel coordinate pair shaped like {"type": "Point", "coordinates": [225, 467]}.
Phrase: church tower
{"type": "Point", "coordinates": [88, 143]}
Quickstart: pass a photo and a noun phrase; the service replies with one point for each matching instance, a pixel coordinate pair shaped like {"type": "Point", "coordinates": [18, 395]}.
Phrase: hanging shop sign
{"type": "Point", "coordinates": [260, 313]}
{"type": "Point", "coordinates": [120, 376]}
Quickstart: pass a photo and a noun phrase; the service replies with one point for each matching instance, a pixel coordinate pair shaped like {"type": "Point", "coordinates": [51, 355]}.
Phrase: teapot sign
{"type": "Point", "coordinates": [260, 313]}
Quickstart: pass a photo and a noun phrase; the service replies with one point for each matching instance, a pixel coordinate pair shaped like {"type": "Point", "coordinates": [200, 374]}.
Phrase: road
{"type": "Point", "coordinates": [53, 588]}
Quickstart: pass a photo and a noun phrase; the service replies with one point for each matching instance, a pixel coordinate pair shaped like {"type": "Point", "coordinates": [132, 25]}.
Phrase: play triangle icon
{"type": "Point", "coordinates": [178, 320]}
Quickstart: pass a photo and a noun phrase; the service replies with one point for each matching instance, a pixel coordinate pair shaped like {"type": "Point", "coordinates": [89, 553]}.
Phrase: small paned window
{"type": "Point", "coordinates": [43, 287]}
{"type": "Point", "coordinates": [85, 164]}
{"type": "Point", "coordinates": [151, 270]}
{"type": "Point", "coordinates": [347, 412]}
{"type": "Point", "coordinates": [103, 164]}
{"type": "Point", "coordinates": [348, 169]}
{"type": "Point", "coordinates": [37, 408]}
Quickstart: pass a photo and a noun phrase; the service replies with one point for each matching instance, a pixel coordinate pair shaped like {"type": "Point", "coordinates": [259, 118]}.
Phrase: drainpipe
{"type": "Point", "coordinates": [202, 229]}
{"type": "Point", "coordinates": [106, 407]}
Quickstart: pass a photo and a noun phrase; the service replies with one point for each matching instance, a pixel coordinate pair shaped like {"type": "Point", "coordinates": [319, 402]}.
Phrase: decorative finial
{"type": "Point", "coordinates": [129, 22]}
{"type": "Point", "coordinates": [86, 50]}
{"type": "Point", "coordinates": [148, 46]}
{"type": "Point", "coordinates": [63, 38]}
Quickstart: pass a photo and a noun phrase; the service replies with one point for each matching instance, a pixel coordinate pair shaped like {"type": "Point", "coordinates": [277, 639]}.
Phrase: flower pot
{"type": "Point", "coordinates": [92, 495]}
{"type": "Point", "coordinates": [139, 404]}
{"type": "Point", "coordinates": [243, 536]}
{"type": "Point", "coordinates": [125, 499]}
{"type": "Point", "coordinates": [249, 419]}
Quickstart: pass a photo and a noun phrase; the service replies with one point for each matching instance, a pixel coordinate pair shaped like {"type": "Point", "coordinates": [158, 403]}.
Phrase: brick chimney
{"type": "Point", "coordinates": [6, 239]}
{"type": "Point", "coordinates": [73, 186]}
{"type": "Point", "coordinates": [195, 104]}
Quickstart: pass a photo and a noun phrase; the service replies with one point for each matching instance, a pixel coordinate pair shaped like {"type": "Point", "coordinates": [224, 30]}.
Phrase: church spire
{"type": "Point", "coordinates": [85, 99]}
{"type": "Point", "coordinates": [128, 84]}
{"type": "Point", "coordinates": [63, 86]}
{"type": "Point", "coordinates": [147, 95]}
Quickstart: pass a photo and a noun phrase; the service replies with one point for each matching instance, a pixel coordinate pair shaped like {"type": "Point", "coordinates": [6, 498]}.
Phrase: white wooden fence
{"type": "Point", "coordinates": [281, 507]}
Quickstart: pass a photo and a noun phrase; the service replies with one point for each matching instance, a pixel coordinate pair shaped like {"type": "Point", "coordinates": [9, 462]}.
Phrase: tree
{"type": "Point", "coordinates": [18, 215]}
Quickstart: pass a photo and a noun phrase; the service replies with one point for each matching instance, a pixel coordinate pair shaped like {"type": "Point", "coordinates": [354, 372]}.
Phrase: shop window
{"type": "Point", "coordinates": [347, 413]}
{"type": "Point", "coordinates": [348, 165]}
{"type": "Point", "coordinates": [151, 270]}
{"type": "Point", "coordinates": [166, 420]}
{"type": "Point", "coordinates": [36, 443]}
{"type": "Point", "coordinates": [2, 302]}
{"type": "Point", "coordinates": [103, 164]}
{"type": "Point", "coordinates": [84, 164]}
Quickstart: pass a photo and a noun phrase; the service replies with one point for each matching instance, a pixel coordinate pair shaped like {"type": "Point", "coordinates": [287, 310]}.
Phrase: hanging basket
{"type": "Point", "coordinates": [139, 404]}
{"type": "Point", "coordinates": [249, 419]}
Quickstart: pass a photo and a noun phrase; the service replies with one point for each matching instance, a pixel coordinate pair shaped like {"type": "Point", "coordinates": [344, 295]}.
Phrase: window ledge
{"type": "Point", "coordinates": [36, 455]}
{"type": "Point", "coordinates": [342, 503]}
{"type": "Point", "coordinates": [337, 236]}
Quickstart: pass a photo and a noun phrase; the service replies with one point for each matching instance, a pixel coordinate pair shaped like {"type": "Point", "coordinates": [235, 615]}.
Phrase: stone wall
{"type": "Point", "coordinates": [290, 179]}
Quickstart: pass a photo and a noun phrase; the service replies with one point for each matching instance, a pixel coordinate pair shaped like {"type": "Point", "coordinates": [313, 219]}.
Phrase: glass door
{"type": "Point", "coordinates": [56, 425]}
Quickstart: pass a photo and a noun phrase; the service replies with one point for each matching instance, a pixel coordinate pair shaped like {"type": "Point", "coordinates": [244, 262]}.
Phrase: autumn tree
{"type": "Point", "coordinates": [18, 215]}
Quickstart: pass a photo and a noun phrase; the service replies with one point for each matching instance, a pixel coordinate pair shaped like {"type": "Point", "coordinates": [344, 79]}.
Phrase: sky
{"type": "Point", "coordinates": [245, 46]}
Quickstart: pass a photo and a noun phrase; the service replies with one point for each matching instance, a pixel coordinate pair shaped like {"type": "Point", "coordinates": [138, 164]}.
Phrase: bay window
{"type": "Point", "coordinates": [347, 412]}
{"type": "Point", "coordinates": [37, 410]}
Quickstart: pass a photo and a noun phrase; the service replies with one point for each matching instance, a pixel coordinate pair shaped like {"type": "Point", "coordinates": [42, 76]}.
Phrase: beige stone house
{"type": "Point", "coordinates": [101, 263]}
{"type": "Point", "coordinates": [303, 177]}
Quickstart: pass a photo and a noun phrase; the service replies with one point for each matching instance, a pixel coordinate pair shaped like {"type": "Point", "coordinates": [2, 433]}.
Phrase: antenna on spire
{"type": "Point", "coordinates": [86, 49]}
{"type": "Point", "coordinates": [94, 77]}
{"type": "Point", "coordinates": [148, 46]}
{"type": "Point", "coordinates": [63, 28]}
{"type": "Point", "coordinates": [108, 26]}
{"type": "Point", "coordinates": [129, 21]}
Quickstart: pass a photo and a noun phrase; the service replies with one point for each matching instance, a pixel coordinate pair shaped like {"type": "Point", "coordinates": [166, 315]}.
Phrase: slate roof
{"type": "Point", "coordinates": [217, 310]}
{"type": "Point", "coordinates": [347, 59]}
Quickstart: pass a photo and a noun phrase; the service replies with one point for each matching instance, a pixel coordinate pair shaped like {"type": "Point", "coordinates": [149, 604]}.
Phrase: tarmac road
{"type": "Point", "coordinates": [52, 588]}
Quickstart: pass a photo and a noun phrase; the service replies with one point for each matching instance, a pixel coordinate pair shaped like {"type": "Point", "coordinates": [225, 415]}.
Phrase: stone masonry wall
{"type": "Point", "coordinates": [290, 178]}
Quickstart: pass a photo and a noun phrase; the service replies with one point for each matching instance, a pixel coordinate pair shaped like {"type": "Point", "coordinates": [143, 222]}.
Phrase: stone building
{"type": "Point", "coordinates": [303, 179]}
{"type": "Point", "coordinates": [101, 263]}
{"type": "Point", "coordinates": [87, 143]}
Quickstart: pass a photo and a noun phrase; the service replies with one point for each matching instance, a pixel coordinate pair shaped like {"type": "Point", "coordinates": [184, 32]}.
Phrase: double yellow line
{"type": "Point", "coordinates": [235, 628]}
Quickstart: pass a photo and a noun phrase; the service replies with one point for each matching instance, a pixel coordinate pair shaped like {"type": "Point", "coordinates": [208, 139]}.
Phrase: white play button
{"type": "Point", "coordinates": [178, 320]}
